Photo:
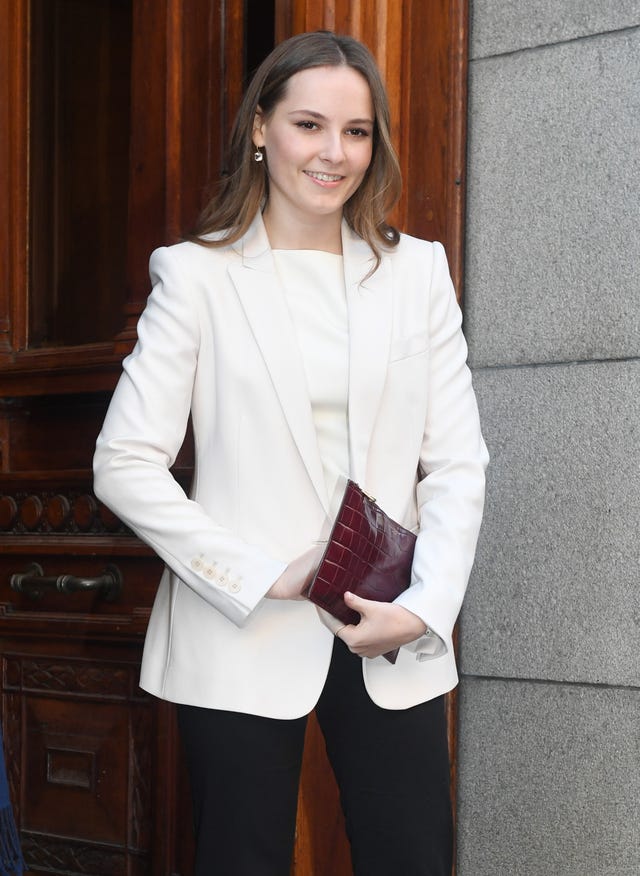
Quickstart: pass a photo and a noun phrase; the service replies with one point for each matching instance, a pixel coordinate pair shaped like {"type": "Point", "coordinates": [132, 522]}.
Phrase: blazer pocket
{"type": "Point", "coordinates": [406, 384]}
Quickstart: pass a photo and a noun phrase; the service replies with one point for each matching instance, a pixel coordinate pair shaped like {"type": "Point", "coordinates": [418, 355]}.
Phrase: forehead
{"type": "Point", "coordinates": [329, 90]}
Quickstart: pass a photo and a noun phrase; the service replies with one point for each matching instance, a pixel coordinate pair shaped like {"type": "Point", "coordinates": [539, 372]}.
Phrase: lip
{"type": "Point", "coordinates": [334, 180]}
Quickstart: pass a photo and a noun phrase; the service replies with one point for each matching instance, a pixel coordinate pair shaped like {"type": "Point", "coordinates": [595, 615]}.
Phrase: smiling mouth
{"type": "Point", "coordinates": [324, 177]}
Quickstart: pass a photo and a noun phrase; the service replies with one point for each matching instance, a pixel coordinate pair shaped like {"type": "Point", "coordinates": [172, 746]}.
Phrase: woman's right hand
{"type": "Point", "coordinates": [296, 577]}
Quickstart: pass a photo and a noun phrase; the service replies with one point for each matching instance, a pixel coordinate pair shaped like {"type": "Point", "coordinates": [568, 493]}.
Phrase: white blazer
{"type": "Point", "coordinates": [216, 339]}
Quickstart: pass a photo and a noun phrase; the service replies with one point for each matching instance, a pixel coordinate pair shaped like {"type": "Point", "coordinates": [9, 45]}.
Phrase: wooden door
{"type": "Point", "coordinates": [113, 118]}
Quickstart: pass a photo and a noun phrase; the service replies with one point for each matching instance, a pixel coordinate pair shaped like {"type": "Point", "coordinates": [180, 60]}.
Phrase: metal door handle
{"type": "Point", "coordinates": [34, 582]}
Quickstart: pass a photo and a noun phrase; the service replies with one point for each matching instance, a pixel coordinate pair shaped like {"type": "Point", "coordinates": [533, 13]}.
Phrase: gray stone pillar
{"type": "Point", "coordinates": [549, 750]}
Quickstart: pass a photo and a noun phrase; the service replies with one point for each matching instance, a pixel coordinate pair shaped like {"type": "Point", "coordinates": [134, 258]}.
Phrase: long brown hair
{"type": "Point", "coordinates": [243, 191]}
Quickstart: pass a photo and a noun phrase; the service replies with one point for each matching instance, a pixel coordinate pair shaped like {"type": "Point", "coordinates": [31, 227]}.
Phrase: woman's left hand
{"type": "Point", "coordinates": [383, 626]}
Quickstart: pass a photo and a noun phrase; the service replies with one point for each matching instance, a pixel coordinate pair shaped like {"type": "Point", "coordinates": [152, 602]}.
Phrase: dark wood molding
{"type": "Point", "coordinates": [67, 512]}
{"type": "Point", "coordinates": [14, 157]}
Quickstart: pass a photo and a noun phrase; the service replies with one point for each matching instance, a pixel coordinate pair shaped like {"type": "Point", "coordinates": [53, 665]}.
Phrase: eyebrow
{"type": "Point", "coordinates": [317, 115]}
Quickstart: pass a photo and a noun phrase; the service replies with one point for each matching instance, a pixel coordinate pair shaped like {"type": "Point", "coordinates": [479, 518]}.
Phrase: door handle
{"type": "Point", "coordinates": [34, 582]}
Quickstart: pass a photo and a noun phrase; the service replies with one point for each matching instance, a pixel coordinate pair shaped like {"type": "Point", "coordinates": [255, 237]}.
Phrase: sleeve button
{"type": "Point", "coordinates": [197, 564]}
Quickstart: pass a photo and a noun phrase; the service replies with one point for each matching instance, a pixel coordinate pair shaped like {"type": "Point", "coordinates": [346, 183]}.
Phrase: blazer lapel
{"type": "Point", "coordinates": [265, 307]}
{"type": "Point", "coordinates": [369, 304]}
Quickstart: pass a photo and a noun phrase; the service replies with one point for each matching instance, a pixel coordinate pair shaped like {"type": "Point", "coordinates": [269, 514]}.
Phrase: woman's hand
{"type": "Point", "coordinates": [296, 577]}
{"type": "Point", "coordinates": [383, 626]}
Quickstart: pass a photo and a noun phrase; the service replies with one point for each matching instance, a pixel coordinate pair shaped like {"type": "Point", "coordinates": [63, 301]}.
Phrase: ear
{"type": "Point", "coordinates": [258, 129]}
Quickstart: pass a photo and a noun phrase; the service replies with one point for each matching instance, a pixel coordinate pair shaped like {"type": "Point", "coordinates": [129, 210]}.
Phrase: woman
{"type": "Point", "coordinates": [310, 341]}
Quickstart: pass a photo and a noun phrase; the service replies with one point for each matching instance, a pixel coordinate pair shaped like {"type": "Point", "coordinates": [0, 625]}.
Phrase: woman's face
{"type": "Point", "coordinates": [318, 143]}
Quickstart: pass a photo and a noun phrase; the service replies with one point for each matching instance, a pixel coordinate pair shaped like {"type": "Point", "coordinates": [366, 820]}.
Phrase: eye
{"type": "Point", "coordinates": [357, 132]}
{"type": "Point", "coordinates": [307, 126]}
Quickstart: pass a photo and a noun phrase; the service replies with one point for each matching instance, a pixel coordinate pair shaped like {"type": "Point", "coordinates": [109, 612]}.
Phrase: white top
{"type": "Point", "coordinates": [313, 282]}
{"type": "Point", "coordinates": [314, 287]}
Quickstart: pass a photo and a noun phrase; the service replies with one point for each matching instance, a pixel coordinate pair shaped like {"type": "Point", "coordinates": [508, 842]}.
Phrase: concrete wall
{"type": "Point", "coordinates": [549, 757]}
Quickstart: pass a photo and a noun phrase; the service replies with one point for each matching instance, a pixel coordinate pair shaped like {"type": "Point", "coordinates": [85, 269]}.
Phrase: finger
{"type": "Point", "coordinates": [345, 632]}
{"type": "Point", "coordinates": [356, 602]}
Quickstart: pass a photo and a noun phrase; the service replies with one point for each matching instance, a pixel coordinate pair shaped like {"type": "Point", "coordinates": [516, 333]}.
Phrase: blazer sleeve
{"type": "Point", "coordinates": [141, 436]}
{"type": "Point", "coordinates": [453, 459]}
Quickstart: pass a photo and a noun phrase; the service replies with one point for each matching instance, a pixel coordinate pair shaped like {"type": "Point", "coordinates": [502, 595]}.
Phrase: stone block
{"type": "Point", "coordinates": [554, 592]}
{"type": "Point", "coordinates": [548, 780]}
{"type": "Point", "coordinates": [500, 26]}
{"type": "Point", "coordinates": [554, 204]}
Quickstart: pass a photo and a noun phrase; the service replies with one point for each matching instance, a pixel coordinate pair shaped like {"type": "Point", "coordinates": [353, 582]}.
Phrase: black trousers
{"type": "Point", "coordinates": [392, 769]}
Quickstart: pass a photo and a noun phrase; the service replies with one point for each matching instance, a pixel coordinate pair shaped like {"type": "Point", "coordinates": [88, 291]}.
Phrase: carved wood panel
{"type": "Point", "coordinates": [79, 736]}
{"type": "Point", "coordinates": [185, 71]}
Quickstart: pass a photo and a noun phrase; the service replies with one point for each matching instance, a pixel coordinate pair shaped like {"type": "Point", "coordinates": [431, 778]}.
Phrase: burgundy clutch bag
{"type": "Point", "coordinates": [368, 554]}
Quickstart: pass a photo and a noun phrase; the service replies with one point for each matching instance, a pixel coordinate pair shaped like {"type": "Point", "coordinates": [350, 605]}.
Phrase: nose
{"type": "Point", "coordinates": [332, 147]}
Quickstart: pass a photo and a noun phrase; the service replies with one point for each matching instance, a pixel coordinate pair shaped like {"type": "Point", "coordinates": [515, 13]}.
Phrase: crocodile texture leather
{"type": "Point", "coordinates": [368, 554]}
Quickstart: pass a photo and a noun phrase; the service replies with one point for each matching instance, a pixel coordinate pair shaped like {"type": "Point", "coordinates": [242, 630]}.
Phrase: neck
{"type": "Point", "coordinates": [323, 233]}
